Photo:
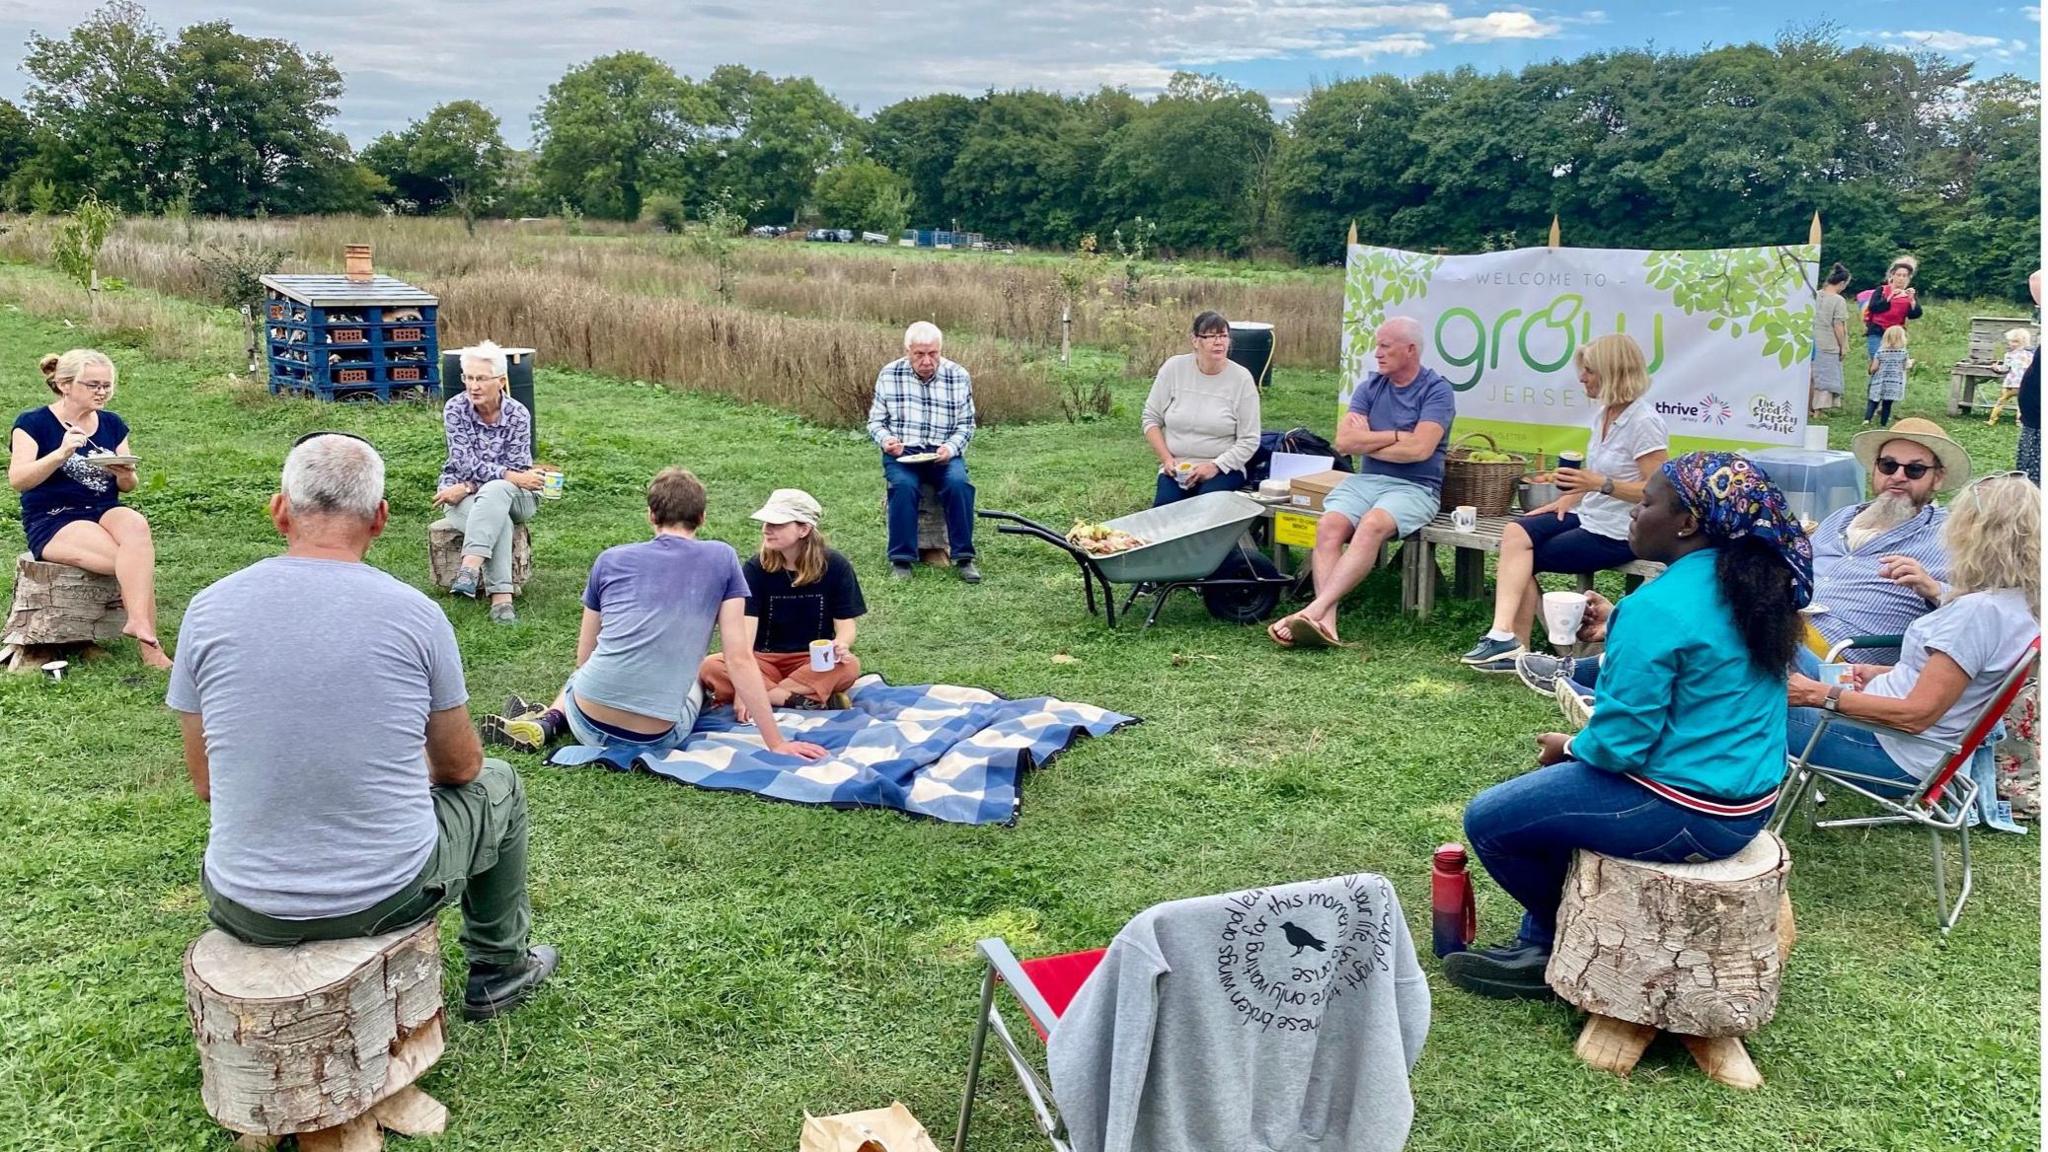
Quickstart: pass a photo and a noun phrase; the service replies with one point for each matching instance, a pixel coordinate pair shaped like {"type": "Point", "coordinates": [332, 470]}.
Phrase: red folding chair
{"type": "Point", "coordinates": [1043, 988]}
{"type": "Point", "coordinates": [1942, 803]}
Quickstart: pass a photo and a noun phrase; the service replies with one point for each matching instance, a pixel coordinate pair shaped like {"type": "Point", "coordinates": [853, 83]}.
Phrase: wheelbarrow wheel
{"type": "Point", "coordinates": [1243, 603]}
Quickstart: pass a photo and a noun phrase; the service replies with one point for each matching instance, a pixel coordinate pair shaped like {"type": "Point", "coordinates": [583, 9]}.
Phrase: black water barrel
{"type": "Point", "coordinates": [1251, 344]}
{"type": "Point", "coordinates": [518, 376]}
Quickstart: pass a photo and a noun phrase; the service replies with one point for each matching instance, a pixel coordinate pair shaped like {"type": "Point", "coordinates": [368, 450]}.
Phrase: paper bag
{"type": "Point", "coordinates": [891, 1129]}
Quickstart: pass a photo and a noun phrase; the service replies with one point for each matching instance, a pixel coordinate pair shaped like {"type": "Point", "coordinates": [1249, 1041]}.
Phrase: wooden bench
{"type": "Point", "coordinates": [321, 1040]}
{"type": "Point", "coordinates": [1985, 360]}
{"type": "Point", "coordinates": [1468, 576]}
{"type": "Point", "coordinates": [56, 608]}
{"type": "Point", "coordinates": [1697, 950]}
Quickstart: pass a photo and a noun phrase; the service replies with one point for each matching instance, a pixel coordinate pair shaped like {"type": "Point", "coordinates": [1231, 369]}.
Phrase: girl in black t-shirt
{"type": "Point", "coordinates": [801, 593]}
{"type": "Point", "coordinates": [71, 505]}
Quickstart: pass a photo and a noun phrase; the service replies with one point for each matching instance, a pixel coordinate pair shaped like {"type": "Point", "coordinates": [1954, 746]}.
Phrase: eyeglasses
{"type": "Point", "coordinates": [1886, 466]}
{"type": "Point", "coordinates": [485, 379]}
{"type": "Point", "coordinates": [1212, 335]}
{"type": "Point", "coordinates": [329, 432]}
{"type": "Point", "coordinates": [96, 385]}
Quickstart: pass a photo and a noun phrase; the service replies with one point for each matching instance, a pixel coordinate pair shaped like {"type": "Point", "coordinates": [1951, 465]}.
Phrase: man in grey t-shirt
{"type": "Point", "coordinates": [325, 721]}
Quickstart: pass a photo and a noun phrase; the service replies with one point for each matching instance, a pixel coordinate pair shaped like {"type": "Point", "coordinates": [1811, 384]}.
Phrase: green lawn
{"type": "Point", "coordinates": [729, 963]}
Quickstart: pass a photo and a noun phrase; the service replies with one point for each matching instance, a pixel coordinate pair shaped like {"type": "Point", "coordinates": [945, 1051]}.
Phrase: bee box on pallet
{"type": "Point", "coordinates": [389, 326]}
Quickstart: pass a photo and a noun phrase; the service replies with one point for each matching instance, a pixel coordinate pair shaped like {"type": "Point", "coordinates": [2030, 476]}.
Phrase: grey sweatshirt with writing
{"type": "Point", "coordinates": [1268, 1020]}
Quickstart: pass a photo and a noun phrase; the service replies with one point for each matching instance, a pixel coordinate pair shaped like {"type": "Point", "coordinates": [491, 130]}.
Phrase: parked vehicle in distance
{"type": "Point", "coordinates": [767, 230]}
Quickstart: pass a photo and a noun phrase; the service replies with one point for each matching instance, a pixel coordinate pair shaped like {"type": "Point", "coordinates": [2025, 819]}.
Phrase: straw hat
{"type": "Point", "coordinates": [1955, 461]}
{"type": "Point", "coordinates": [789, 506]}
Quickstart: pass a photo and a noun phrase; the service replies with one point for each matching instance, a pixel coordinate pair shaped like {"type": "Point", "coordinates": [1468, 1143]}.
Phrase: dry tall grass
{"type": "Point", "coordinates": [1016, 300]}
{"type": "Point", "coordinates": [584, 305]}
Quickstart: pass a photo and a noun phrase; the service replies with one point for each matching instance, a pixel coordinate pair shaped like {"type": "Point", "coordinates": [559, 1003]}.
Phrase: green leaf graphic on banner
{"type": "Point", "coordinates": [1766, 290]}
{"type": "Point", "coordinates": [1376, 279]}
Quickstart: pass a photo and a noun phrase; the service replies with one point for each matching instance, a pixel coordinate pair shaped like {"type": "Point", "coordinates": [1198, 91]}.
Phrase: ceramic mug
{"type": "Point", "coordinates": [1465, 517]}
{"type": "Point", "coordinates": [824, 657]}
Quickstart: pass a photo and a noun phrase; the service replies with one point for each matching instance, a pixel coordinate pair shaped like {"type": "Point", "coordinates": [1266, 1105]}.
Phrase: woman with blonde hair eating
{"type": "Point", "coordinates": [70, 461]}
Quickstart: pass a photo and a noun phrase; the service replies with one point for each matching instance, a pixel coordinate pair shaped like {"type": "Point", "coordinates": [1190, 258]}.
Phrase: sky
{"type": "Point", "coordinates": [402, 57]}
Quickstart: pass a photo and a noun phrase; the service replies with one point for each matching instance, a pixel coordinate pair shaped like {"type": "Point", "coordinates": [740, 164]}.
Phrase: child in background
{"type": "Point", "coordinates": [1887, 377]}
{"type": "Point", "coordinates": [2019, 352]}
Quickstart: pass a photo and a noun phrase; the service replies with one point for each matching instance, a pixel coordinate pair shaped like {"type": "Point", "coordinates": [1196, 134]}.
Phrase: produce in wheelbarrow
{"type": "Point", "coordinates": [1100, 539]}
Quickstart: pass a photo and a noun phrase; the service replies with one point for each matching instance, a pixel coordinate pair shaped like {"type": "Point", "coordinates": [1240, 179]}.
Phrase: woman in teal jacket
{"type": "Point", "coordinates": [1686, 749]}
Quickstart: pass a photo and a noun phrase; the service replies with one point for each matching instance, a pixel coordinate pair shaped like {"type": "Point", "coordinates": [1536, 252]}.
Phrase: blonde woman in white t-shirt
{"type": "Point", "coordinates": [1202, 416]}
{"type": "Point", "coordinates": [1953, 659]}
{"type": "Point", "coordinates": [1585, 529]}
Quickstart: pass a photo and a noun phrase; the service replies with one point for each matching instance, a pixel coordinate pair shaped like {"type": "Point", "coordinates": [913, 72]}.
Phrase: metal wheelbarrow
{"type": "Point", "coordinates": [1191, 544]}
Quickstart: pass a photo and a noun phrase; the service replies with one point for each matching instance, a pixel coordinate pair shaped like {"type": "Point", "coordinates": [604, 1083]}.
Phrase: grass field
{"type": "Point", "coordinates": [729, 963]}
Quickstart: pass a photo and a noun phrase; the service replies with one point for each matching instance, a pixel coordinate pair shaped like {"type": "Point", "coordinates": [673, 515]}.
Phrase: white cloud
{"type": "Point", "coordinates": [1951, 43]}
{"type": "Point", "coordinates": [1397, 44]}
{"type": "Point", "coordinates": [1502, 26]}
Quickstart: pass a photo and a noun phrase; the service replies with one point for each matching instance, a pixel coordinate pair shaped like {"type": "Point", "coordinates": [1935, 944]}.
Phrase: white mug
{"type": "Point", "coordinates": [1563, 612]}
{"type": "Point", "coordinates": [1464, 518]}
{"type": "Point", "coordinates": [824, 657]}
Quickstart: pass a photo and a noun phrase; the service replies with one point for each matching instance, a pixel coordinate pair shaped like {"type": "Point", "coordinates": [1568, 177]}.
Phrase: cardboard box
{"type": "Point", "coordinates": [1307, 492]}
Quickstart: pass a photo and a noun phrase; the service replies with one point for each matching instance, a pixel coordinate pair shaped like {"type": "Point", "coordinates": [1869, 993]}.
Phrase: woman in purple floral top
{"type": "Point", "coordinates": [489, 483]}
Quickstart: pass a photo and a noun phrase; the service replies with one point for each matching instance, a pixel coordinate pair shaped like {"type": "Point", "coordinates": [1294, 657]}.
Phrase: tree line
{"type": "Point", "coordinates": [1898, 151]}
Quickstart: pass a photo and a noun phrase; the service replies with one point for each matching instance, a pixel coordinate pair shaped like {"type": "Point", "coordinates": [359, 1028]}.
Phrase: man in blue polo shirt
{"type": "Point", "coordinates": [1399, 420]}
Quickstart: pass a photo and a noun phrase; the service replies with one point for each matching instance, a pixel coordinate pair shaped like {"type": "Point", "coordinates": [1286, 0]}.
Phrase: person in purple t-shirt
{"type": "Point", "coordinates": [648, 613]}
{"type": "Point", "coordinates": [1399, 419]}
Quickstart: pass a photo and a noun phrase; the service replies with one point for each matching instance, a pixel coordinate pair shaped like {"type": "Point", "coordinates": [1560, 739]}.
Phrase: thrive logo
{"type": "Point", "coordinates": [1708, 409]}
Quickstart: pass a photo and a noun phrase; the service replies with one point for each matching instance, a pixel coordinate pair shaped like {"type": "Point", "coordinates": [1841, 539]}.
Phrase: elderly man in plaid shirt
{"type": "Point", "coordinates": [923, 417]}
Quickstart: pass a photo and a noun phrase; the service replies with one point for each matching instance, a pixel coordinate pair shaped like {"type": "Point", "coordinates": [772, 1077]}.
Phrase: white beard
{"type": "Point", "coordinates": [1881, 516]}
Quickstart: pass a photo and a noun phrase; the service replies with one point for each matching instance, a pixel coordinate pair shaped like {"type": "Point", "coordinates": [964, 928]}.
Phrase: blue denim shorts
{"type": "Point", "coordinates": [590, 735]}
{"type": "Point", "coordinates": [1410, 504]}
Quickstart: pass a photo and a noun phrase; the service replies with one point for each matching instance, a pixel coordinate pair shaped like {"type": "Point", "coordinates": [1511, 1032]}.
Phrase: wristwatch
{"type": "Point", "coordinates": [1607, 486]}
{"type": "Point", "coordinates": [1834, 701]}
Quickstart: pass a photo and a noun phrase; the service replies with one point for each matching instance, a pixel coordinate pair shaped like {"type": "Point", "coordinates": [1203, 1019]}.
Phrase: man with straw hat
{"type": "Point", "coordinates": [1878, 566]}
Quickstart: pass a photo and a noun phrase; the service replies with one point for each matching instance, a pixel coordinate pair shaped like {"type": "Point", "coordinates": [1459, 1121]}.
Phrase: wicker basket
{"type": "Point", "coordinates": [1488, 487]}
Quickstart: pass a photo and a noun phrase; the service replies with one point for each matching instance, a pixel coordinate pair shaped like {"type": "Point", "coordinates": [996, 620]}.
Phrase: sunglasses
{"type": "Point", "coordinates": [327, 432]}
{"type": "Point", "coordinates": [1886, 466]}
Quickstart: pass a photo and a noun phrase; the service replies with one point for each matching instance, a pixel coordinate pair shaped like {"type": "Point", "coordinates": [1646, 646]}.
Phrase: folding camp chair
{"type": "Point", "coordinates": [1043, 988]}
{"type": "Point", "coordinates": [1944, 802]}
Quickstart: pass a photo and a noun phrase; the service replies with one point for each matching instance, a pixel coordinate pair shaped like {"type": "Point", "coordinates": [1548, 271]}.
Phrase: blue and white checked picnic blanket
{"type": "Point", "coordinates": [939, 750]}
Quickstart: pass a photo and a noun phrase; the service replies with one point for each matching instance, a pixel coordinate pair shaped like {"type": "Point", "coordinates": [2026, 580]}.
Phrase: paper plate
{"type": "Point", "coordinates": [919, 458]}
{"type": "Point", "coordinates": [96, 461]}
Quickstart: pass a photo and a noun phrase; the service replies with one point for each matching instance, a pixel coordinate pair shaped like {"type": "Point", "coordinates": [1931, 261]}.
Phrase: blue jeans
{"type": "Point", "coordinates": [955, 494]}
{"type": "Point", "coordinates": [1525, 830]}
{"type": "Point", "coordinates": [590, 734]}
{"type": "Point", "coordinates": [1169, 491]}
{"type": "Point", "coordinates": [1843, 747]}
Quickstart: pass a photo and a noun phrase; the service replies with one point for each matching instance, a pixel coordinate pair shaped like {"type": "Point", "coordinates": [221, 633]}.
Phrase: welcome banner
{"type": "Point", "coordinates": [1727, 333]}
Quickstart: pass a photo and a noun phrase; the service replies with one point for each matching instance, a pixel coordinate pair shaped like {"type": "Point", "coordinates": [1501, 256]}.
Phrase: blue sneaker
{"type": "Point", "coordinates": [1492, 655]}
{"type": "Point", "coordinates": [466, 582]}
{"type": "Point", "coordinates": [1540, 671]}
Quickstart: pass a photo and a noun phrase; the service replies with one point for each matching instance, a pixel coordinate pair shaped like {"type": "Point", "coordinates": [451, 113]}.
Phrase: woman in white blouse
{"type": "Point", "coordinates": [1586, 528]}
{"type": "Point", "coordinates": [1202, 416]}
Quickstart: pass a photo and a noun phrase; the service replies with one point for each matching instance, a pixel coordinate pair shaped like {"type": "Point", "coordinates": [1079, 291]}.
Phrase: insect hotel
{"type": "Point", "coordinates": [354, 336]}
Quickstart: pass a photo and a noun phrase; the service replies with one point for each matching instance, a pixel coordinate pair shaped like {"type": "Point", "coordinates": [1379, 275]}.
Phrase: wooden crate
{"type": "Point", "coordinates": [1987, 336]}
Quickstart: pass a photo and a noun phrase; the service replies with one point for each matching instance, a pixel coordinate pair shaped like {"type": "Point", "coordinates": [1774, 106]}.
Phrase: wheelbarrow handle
{"type": "Point", "coordinates": [1019, 526]}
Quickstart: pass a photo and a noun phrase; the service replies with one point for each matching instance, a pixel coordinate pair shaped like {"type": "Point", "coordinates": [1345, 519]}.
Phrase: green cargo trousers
{"type": "Point", "coordinates": [480, 859]}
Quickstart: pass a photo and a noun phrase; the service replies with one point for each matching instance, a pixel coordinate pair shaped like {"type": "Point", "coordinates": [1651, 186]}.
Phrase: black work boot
{"type": "Point", "coordinates": [498, 988]}
{"type": "Point", "coordinates": [1511, 973]}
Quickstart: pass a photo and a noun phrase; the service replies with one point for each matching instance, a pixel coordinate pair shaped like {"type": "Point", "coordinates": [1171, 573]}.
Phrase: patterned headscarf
{"type": "Point", "coordinates": [1733, 499]}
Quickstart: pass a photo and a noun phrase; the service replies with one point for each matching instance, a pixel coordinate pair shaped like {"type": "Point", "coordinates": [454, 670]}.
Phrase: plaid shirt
{"type": "Point", "coordinates": [921, 413]}
{"type": "Point", "coordinates": [479, 453]}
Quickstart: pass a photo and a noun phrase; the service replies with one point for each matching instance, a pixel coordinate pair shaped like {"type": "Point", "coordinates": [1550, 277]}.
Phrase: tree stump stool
{"type": "Point", "coordinates": [323, 1040]}
{"type": "Point", "coordinates": [57, 607]}
{"type": "Point", "coordinates": [444, 553]}
{"type": "Point", "coordinates": [934, 547]}
{"type": "Point", "coordinates": [1693, 949]}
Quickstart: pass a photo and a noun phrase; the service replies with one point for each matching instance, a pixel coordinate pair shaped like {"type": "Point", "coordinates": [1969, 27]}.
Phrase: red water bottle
{"type": "Point", "coordinates": [1453, 914]}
